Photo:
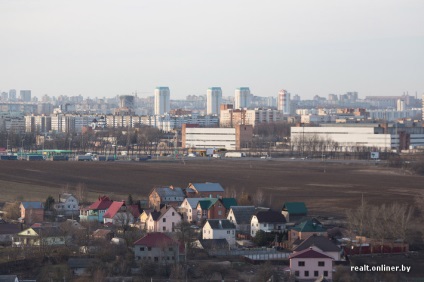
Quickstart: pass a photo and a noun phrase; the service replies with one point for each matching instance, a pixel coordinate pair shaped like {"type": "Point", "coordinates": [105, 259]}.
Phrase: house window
{"type": "Point", "coordinates": [219, 212]}
{"type": "Point", "coordinates": [264, 224]}
{"type": "Point", "coordinates": [228, 232]}
{"type": "Point", "coordinates": [173, 213]}
{"type": "Point", "coordinates": [149, 248]}
{"type": "Point", "coordinates": [164, 228]}
{"type": "Point", "coordinates": [315, 273]}
{"type": "Point", "coordinates": [325, 273]}
{"type": "Point", "coordinates": [156, 259]}
{"type": "Point", "coordinates": [296, 273]}
{"type": "Point", "coordinates": [190, 210]}
{"type": "Point", "coordinates": [279, 227]}
{"type": "Point", "coordinates": [171, 249]}
{"type": "Point", "coordinates": [164, 220]}
{"type": "Point", "coordinates": [321, 263]}
{"type": "Point", "coordinates": [69, 206]}
{"type": "Point", "coordinates": [306, 273]}
{"type": "Point", "coordinates": [231, 218]}
{"type": "Point", "coordinates": [301, 263]}
{"type": "Point", "coordinates": [141, 249]}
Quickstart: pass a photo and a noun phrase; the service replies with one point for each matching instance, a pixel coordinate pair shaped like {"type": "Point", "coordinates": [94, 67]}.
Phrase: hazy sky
{"type": "Point", "coordinates": [308, 47]}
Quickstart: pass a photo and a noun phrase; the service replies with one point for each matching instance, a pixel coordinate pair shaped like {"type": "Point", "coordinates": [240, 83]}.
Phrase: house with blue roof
{"type": "Point", "coordinates": [205, 190]}
{"type": "Point", "coordinates": [31, 212]}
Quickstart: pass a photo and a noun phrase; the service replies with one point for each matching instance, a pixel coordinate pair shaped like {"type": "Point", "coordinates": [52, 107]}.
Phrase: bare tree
{"type": "Point", "coordinates": [81, 192]}
{"type": "Point", "coordinates": [259, 197]}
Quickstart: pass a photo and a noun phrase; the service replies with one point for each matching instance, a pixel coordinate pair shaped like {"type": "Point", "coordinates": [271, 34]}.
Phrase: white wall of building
{"type": "Point", "coordinates": [211, 138]}
{"type": "Point", "coordinates": [213, 100]}
{"type": "Point", "coordinates": [162, 100]}
{"type": "Point", "coordinates": [242, 98]}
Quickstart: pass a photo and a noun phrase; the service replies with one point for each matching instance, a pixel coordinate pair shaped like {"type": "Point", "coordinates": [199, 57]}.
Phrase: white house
{"type": "Point", "coordinates": [241, 216]}
{"type": "Point", "coordinates": [67, 205]}
{"type": "Point", "coordinates": [220, 229]}
{"type": "Point", "coordinates": [158, 248]}
{"type": "Point", "coordinates": [164, 220]}
{"type": "Point", "coordinates": [188, 209]}
{"type": "Point", "coordinates": [268, 221]}
{"type": "Point", "coordinates": [310, 264]}
{"type": "Point", "coordinates": [321, 244]}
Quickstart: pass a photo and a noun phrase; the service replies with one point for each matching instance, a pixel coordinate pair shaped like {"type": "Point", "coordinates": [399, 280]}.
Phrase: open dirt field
{"type": "Point", "coordinates": [331, 192]}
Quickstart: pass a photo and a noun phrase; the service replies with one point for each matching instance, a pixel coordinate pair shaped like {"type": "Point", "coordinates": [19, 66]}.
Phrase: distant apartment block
{"type": "Point", "coordinates": [233, 117]}
{"type": "Point", "coordinates": [162, 100]}
{"type": "Point", "coordinates": [242, 98]}
{"type": "Point", "coordinates": [25, 95]}
{"type": "Point", "coordinates": [283, 103]}
{"type": "Point", "coordinates": [213, 100]}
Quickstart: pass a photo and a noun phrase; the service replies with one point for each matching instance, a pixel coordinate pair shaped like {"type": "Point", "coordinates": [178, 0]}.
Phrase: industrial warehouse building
{"type": "Point", "coordinates": [234, 138]}
{"type": "Point", "coordinates": [351, 136]}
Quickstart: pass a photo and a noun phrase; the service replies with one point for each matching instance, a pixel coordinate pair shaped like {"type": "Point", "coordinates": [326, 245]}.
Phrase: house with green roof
{"type": "Point", "coordinates": [306, 229]}
{"type": "Point", "coordinates": [294, 211]}
{"type": "Point", "coordinates": [210, 208]}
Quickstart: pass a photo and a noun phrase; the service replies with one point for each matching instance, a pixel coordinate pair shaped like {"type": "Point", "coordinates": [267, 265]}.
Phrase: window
{"type": "Point", "coordinates": [306, 273]}
{"type": "Point", "coordinates": [264, 224]}
{"type": "Point", "coordinates": [171, 249]}
{"type": "Point", "coordinates": [301, 263]}
{"type": "Point", "coordinates": [141, 249]}
{"type": "Point", "coordinates": [321, 263]}
{"type": "Point", "coordinates": [164, 228]}
{"type": "Point", "coordinates": [219, 212]}
{"type": "Point", "coordinates": [164, 220]}
{"type": "Point", "coordinates": [149, 248]}
{"type": "Point", "coordinates": [325, 273]}
{"type": "Point", "coordinates": [228, 232]}
{"type": "Point", "coordinates": [296, 273]}
{"type": "Point", "coordinates": [231, 218]}
{"type": "Point", "coordinates": [315, 273]}
{"type": "Point", "coordinates": [69, 206]}
{"type": "Point", "coordinates": [173, 213]}
{"type": "Point", "coordinates": [156, 259]}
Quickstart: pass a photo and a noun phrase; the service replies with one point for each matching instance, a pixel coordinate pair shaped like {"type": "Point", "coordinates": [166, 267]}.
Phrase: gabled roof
{"type": "Point", "coordinates": [206, 187]}
{"type": "Point", "coordinates": [113, 209]}
{"type": "Point", "coordinates": [229, 202]}
{"type": "Point", "coordinates": [206, 204]}
{"type": "Point", "coordinates": [32, 205]}
{"type": "Point", "coordinates": [193, 201]}
{"type": "Point", "coordinates": [155, 239]}
{"type": "Point", "coordinates": [101, 233]}
{"type": "Point", "coordinates": [321, 242]}
{"type": "Point", "coordinates": [220, 224]}
{"type": "Point", "coordinates": [310, 225]}
{"type": "Point", "coordinates": [243, 214]}
{"type": "Point", "coordinates": [295, 208]}
{"type": "Point", "coordinates": [214, 244]}
{"type": "Point", "coordinates": [64, 197]}
{"type": "Point", "coordinates": [270, 216]}
{"type": "Point", "coordinates": [309, 253]}
{"type": "Point", "coordinates": [8, 278]}
{"type": "Point", "coordinates": [9, 228]}
{"type": "Point", "coordinates": [157, 215]}
{"type": "Point", "coordinates": [170, 192]}
{"type": "Point", "coordinates": [103, 203]}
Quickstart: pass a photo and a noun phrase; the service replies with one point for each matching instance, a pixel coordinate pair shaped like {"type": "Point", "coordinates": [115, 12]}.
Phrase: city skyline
{"type": "Point", "coordinates": [306, 48]}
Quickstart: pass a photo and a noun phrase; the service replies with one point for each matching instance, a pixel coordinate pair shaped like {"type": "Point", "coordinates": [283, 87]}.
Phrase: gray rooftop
{"type": "Point", "coordinates": [170, 192]}
{"type": "Point", "coordinates": [207, 187]}
{"type": "Point", "coordinates": [243, 214]}
{"type": "Point", "coordinates": [221, 224]}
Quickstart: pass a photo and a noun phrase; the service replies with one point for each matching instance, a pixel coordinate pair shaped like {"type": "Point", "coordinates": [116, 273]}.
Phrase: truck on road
{"type": "Point", "coordinates": [235, 155]}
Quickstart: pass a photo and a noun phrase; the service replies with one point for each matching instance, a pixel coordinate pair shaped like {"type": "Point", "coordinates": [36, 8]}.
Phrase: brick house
{"type": "Point", "coordinates": [32, 212]}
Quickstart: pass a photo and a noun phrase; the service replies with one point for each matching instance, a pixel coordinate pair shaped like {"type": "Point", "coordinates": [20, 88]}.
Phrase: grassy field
{"type": "Point", "coordinates": [327, 188]}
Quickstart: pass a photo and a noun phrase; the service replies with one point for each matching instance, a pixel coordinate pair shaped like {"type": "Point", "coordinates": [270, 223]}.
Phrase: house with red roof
{"type": "Point", "coordinates": [311, 264]}
{"type": "Point", "coordinates": [120, 214]}
{"type": "Point", "coordinates": [96, 211]}
{"type": "Point", "coordinates": [158, 248]}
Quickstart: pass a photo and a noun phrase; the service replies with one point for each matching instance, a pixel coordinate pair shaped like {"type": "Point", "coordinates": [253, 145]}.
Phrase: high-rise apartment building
{"type": "Point", "coordinates": [284, 101]}
{"type": "Point", "coordinates": [213, 100]}
{"type": "Point", "coordinates": [423, 107]}
{"type": "Point", "coordinates": [12, 95]}
{"type": "Point", "coordinates": [242, 98]}
{"type": "Point", "coordinates": [162, 100]}
{"type": "Point", "coordinates": [25, 95]}
{"type": "Point", "coordinates": [400, 105]}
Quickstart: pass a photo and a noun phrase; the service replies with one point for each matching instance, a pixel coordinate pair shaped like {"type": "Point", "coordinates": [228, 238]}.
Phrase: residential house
{"type": "Point", "coordinates": [204, 190]}
{"type": "Point", "coordinates": [158, 248]}
{"type": "Point", "coordinates": [39, 234]}
{"type": "Point", "coordinates": [228, 203]}
{"type": "Point", "coordinates": [210, 208]}
{"type": "Point", "coordinates": [120, 214]}
{"type": "Point", "coordinates": [164, 220]}
{"type": "Point", "coordinates": [305, 229]}
{"type": "Point", "coordinates": [103, 234]}
{"type": "Point", "coordinates": [143, 218]}
{"type": "Point", "coordinates": [321, 244]}
{"type": "Point", "coordinates": [268, 221]}
{"type": "Point", "coordinates": [310, 264]}
{"type": "Point", "coordinates": [96, 211]}
{"type": "Point", "coordinates": [67, 205]}
{"type": "Point", "coordinates": [31, 212]}
{"type": "Point", "coordinates": [220, 229]}
{"type": "Point", "coordinates": [188, 209]}
{"type": "Point", "coordinates": [7, 230]}
{"type": "Point", "coordinates": [9, 278]}
{"type": "Point", "coordinates": [171, 196]}
{"type": "Point", "coordinates": [241, 216]}
{"type": "Point", "coordinates": [294, 211]}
